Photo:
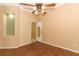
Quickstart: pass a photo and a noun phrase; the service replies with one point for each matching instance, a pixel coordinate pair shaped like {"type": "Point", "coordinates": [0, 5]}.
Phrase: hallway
{"type": "Point", "coordinates": [37, 49]}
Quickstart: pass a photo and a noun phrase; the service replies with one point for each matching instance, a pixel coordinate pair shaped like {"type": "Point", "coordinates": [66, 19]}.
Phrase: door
{"type": "Point", "coordinates": [33, 32]}
{"type": "Point", "coordinates": [39, 31]}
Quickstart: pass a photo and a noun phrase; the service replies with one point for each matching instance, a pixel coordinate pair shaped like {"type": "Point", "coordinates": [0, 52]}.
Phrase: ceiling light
{"type": "Point", "coordinates": [36, 12]}
{"type": "Point", "coordinates": [11, 15]}
{"type": "Point", "coordinates": [43, 11]}
{"type": "Point", "coordinates": [34, 8]}
{"type": "Point", "coordinates": [43, 7]}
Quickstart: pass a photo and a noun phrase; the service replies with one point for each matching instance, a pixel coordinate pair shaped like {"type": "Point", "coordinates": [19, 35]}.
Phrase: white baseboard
{"type": "Point", "coordinates": [14, 47]}
{"type": "Point", "coordinates": [75, 51]}
{"type": "Point", "coordinates": [8, 47]}
{"type": "Point", "coordinates": [24, 44]}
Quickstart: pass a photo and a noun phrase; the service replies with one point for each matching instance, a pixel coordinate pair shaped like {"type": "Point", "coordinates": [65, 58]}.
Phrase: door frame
{"type": "Point", "coordinates": [38, 24]}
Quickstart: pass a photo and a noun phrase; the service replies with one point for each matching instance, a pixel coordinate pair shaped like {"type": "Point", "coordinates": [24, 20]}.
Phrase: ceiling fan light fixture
{"type": "Point", "coordinates": [36, 12]}
{"type": "Point", "coordinates": [43, 7]}
{"type": "Point", "coordinates": [34, 8]}
{"type": "Point", "coordinates": [43, 11]}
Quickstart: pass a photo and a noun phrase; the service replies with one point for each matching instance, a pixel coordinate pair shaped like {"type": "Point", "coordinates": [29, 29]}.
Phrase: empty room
{"type": "Point", "coordinates": [39, 29]}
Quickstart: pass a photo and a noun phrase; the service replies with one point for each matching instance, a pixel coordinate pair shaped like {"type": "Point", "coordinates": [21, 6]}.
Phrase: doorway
{"type": "Point", "coordinates": [33, 31]}
{"type": "Point", "coordinates": [39, 31]}
{"type": "Point", "coordinates": [36, 31]}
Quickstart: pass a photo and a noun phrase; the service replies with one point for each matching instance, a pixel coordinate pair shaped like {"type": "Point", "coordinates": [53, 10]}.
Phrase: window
{"type": "Point", "coordinates": [9, 24]}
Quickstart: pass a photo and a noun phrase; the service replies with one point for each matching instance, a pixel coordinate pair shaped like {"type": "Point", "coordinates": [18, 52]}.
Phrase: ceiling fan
{"type": "Point", "coordinates": [38, 8]}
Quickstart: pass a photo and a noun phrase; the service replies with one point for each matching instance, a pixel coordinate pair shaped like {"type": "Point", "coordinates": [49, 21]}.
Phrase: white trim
{"type": "Point", "coordinates": [24, 44]}
{"type": "Point", "coordinates": [15, 46]}
{"type": "Point", "coordinates": [61, 47]}
{"type": "Point", "coordinates": [9, 4]}
{"type": "Point", "coordinates": [4, 24]}
{"type": "Point", "coordinates": [8, 47]}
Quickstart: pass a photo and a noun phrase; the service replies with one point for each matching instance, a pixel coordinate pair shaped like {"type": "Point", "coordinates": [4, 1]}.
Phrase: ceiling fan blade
{"type": "Point", "coordinates": [50, 5]}
{"type": "Point", "coordinates": [27, 9]}
{"type": "Point", "coordinates": [27, 4]}
{"type": "Point", "coordinates": [56, 6]}
{"type": "Point", "coordinates": [52, 9]}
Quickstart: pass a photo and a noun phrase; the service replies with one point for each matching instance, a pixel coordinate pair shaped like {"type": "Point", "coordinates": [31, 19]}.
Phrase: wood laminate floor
{"type": "Point", "coordinates": [37, 49]}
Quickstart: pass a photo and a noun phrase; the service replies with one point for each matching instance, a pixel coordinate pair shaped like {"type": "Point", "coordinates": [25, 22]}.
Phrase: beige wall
{"type": "Point", "coordinates": [1, 26]}
{"type": "Point", "coordinates": [9, 41]}
{"type": "Point", "coordinates": [61, 27]}
{"type": "Point", "coordinates": [22, 27]}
